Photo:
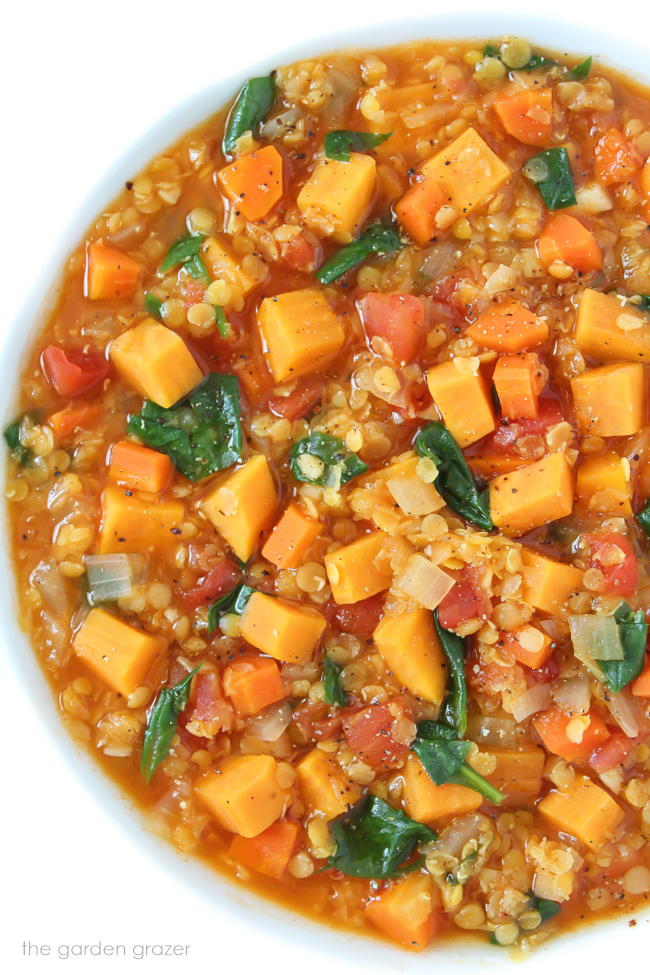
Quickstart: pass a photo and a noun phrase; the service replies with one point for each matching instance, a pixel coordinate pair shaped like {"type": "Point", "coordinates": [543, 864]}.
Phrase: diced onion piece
{"type": "Point", "coordinates": [573, 696]}
{"type": "Point", "coordinates": [553, 886]}
{"type": "Point", "coordinates": [485, 730]}
{"type": "Point", "coordinates": [271, 723]}
{"type": "Point", "coordinates": [535, 699]}
{"type": "Point", "coordinates": [454, 837]}
{"type": "Point", "coordinates": [425, 582]}
{"type": "Point", "coordinates": [502, 279]}
{"type": "Point", "coordinates": [595, 638]}
{"type": "Point", "coordinates": [414, 496]}
{"type": "Point", "coordinates": [112, 576]}
{"type": "Point", "coordinates": [626, 712]}
{"type": "Point", "coordinates": [47, 578]}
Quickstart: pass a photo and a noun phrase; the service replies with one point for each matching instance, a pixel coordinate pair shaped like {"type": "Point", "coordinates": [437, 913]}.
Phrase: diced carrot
{"type": "Point", "coordinates": [76, 416]}
{"type": "Point", "coordinates": [508, 327]}
{"type": "Point", "coordinates": [255, 378]}
{"type": "Point", "coordinates": [566, 239]}
{"type": "Point", "coordinates": [269, 852]}
{"type": "Point", "coordinates": [529, 646]}
{"type": "Point", "coordinates": [641, 686]}
{"type": "Point", "coordinates": [406, 912]}
{"type": "Point", "coordinates": [527, 115]}
{"type": "Point", "coordinates": [253, 683]}
{"type": "Point", "coordinates": [139, 467]}
{"type": "Point", "coordinates": [110, 273]}
{"type": "Point", "coordinates": [615, 158]}
{"type": "Point", "coordinates": [291, 538]}
{"type": "Point", "coordinates": [519, 380]}
{"type": "Point", "coordinates": [254, 182]}
{"type": "Point", "coordinates": [490, 464]}
{"type": "Point", "coordinates": [552, 727]}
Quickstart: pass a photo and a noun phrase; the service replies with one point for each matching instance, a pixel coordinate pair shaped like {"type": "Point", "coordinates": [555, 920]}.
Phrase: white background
{"type": "Point", "coordinates": [80, 82]}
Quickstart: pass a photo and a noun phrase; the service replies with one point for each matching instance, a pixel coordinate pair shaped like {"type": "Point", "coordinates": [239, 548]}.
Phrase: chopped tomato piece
{"type": "Point", "coordinates": [398, 319]}
{"type": "Point", "coordinates": [72, 372]}
{"type": "Point", "coordinates": [304, 398]}
{"type": "Point", "coordinates": [302, 252]}
{"type": "Point", "coordinates": [211, 713]}
{"type": "Point", "coordinates": [615, 158]}
{"type": "Point", "coordinates": [311, 722]}
{"type": "Point", "coordinates": [467, 600]}
{"type": "Point", "coordinates": [360, 618]}
{"type": "Point", "coordinates": [380, 738]}
{"type": "Point", "coordinates": [612, 553]}
{"type": "Point", "coordinates": [505, 438]}
{"type": "Point", "coordinates": [544, 674]}
{"type": "Point", "coordinates": [221, 577]}
{"type": "Point", "coordinates": [614, 752]}
{"type": "Point", "coordinates": [559, 733]}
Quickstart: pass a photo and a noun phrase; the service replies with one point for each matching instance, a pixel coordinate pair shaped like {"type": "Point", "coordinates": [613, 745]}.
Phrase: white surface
{"type": "Point", "coordinates": [81, 83]}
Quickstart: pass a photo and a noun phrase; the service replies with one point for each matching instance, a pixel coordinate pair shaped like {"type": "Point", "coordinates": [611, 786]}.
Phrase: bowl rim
{"type": "Point", "coordinates": [223, 893]}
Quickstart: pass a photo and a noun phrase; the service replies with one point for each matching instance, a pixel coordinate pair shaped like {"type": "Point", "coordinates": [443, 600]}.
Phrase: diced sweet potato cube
{"type": "Point", "coordinates": [252, 684]}
{"type": "Point", "coordinates": [406, 911]}
{"type": "Point", "coordinates": [492, 463]}
{"type": "Point", "coordinates": [254, 182]}
{"type": "Point", "coordinates": [518, 773]}
{"type": "Point", "coordinates": [130, 524]}
{"type": "Point", "coordinates": [463, 399]}
{"type": "Point", "coordinates": [243, 793]}
{"type": "Point", "coordinates": [610, 401]}
{"type": "Point", "coordinates": [300, 332]}
{"type": "Point", "coordinates": [608, 330]}
{"type": "Point", "coordinates": [603, 485]}
{"type": "Point", "coordinates": [291, 538]}
{"type": "Point", "coordinates": [358, 570]}
{"type": "Point", "coordinates": [270, 851]}
{"type": "Point", "coordinates": [110, 273]}
{"type": "Point", "coordinates": [583, 810]}
{"type": "Point", "coordinates": [518, 380]}
{"type": "Point", "coordinates": [139, 468]}
{"type": "Point", "coordinates": [547, 584]}
{"type": "Point", "coordinates": [156, 362]}
{"type": "Point", "coordinates": [425, 801]}
{"type": "Point", "coordinates": [409, 645]}
{"type": "Point", "coordinates": [324, 787]}
{"type": "Point", "coordinates": [243, 505]}
{"type": "Point", "coordinates": [529, 646]}
{"type": "Point", "coordinates": [286, 631]}
{"type": "Point", "coordinates": [119, 654]}
{"type": "Point", "coordinates": [223, 266]}
{"type": "Point", "coordinates": [532, 496]}
{"type": "Point", "coordinates": [337, 196]}
{"type": "Point", "coordinates": [459, 179]}
{"type": "Point", "coordinates": [508, 327]}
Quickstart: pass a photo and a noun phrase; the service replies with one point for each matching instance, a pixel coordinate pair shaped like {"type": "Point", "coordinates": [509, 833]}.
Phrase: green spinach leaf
{"type": "Point", "coordinates": [162, 724]}
{"type": "Point", "coordinates": [378, 239]}
{"type": "Point", "coordinates": [252, 105]}
{"type": "Point", "coordinates": [443, 756]}
{"type": "Point", "coordinates": [341, 142]}
{"type": "Point", "coordinates": [231, 602]}
{"type": "Point", "coordinates": [340, 465]}
{"type": "Point", "coordinates": [184, 250]}
{"type": "Point", "coordinates": [202, 434]}
{"type": "Point", "coordinates": [643, 518]}
{"type": "Point", "coordinates": [374, 840]}
{"type": "Point", "coordinates": [197, 268]}
{"type": "Point", "coordinates": [548, 909]}
{"type": "Point", "coordinates": [454, 710]}
{"type": "Point", "coordinates": [454, 481]}
{"type": "Point", "coordinates": [334, 693]}
{"type": "Point", "coordinates": [550, 171]}
{"type": "Point", "coordinates": [633, 633]}
{"type": "Point", "coordinates": [536, 62]}
{"type": "Point", "coordinates": [223, 326]}
{"type": "Point", "coordinates": [581, 71]}
{"type": "Point", "coordinates": [12, 438]}
{"type": "Point", "coordinates": [153, 305]}
{"type": "Point", "coordinates": [491, 51]}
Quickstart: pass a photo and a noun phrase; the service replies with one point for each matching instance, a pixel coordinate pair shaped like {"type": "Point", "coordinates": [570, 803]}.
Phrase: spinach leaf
{"type": "Point", "coordinates": [551, 173]}
{"type": "Point", "coordinates": [340, 465]}
{"type": "Point", "coordinates": [644, 303]}
{"type": "Point", "coordinates": [341, 142]}
{"type": "Point", "coordinates": [377, 239]}
{"type": "Point", "coordinates": [375, 840]}
{"type": "Point", "coordinates": [334, 693]}
{"type": "Point", "coordinates": [643, 517]}
{"type": "Point", "coordinates": [231, 602]}
{"type": "Point", "coordinates": [252, 105]}
{"type": "Point", "coordinates": [633, 632]}
{"type": "Point", "coordinates": [491, 51]}
{"type": "Point", "coordinates": [223, 326]}
{"type": "Point", "coordinates": [443, 758]}
{"type": "Point", "coordinates": [455, 707]}
{"type": "Point", "coordinates": [153, 305]}
{"type": "Point", "coordinates": [546, 908]}
{"type": "Point", "coordinates": [202, 434]}
{"type": "Point", "coordinates": [162, 724]}
{"type": "Point", "coordinates": [581, 71]}
{"type": "Point", "coordinates": [538, 61]}
{"type": "Point", "coordinates": [184, 250]}
{"type": "Point", "coordinates": [197, 268]}
{"type": "Point", "coordinates": [12, 438]}
{"type": "Point", "coordinates": [454, 481]}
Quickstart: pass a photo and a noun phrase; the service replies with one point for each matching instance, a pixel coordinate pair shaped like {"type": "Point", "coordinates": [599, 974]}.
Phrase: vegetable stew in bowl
{"type": "Point", "coordinates": [329, 489]}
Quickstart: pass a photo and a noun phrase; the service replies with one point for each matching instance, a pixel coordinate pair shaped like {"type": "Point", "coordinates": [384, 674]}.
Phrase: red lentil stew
{"type": "Point", "coordinates": [329, 491]}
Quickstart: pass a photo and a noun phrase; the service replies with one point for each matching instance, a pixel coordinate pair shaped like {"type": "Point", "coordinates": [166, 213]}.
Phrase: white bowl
{"type": "Point", "coordinates": [597, 947]}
